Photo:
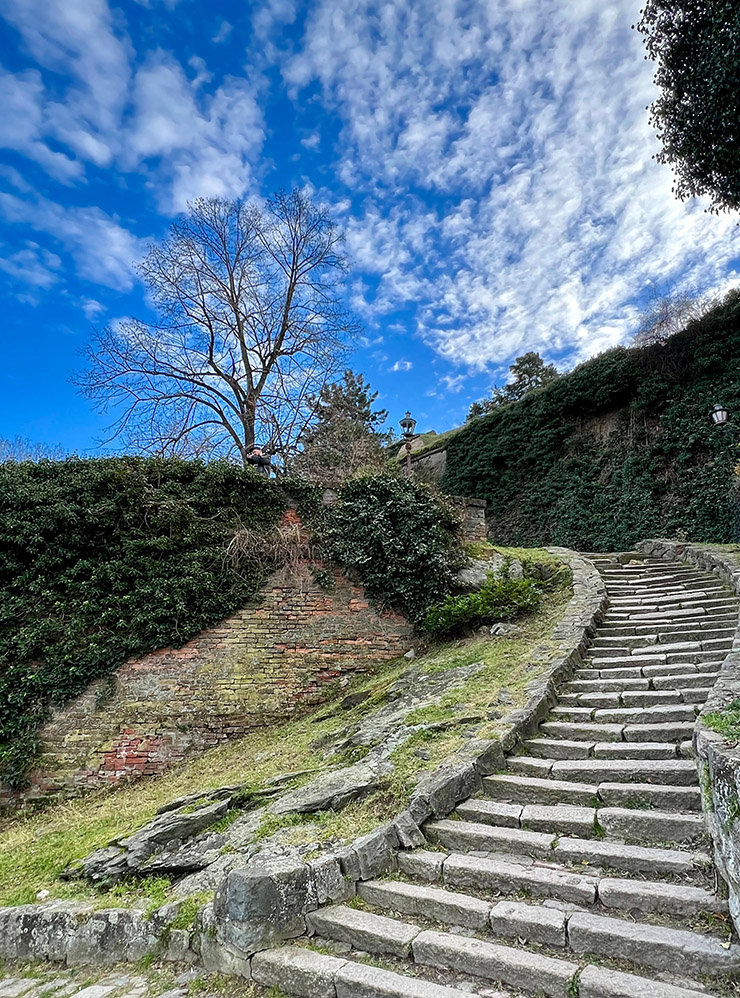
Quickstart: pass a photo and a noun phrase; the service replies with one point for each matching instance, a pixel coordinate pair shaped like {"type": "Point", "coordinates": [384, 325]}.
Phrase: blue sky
{"type": "Point", "coordinates": [490, 163]}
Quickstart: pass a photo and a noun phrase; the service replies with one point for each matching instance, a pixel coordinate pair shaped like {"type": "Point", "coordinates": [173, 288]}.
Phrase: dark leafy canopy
{"type": "Point", "coordinates": [399, 538]}
{"type": "Point", "coordinates": [346, 435]}
{"type": "Point", "coordinates": [618, 450]}
{"type": "Point", "coordinates": [527, 372]}
{"type": "Point", "coordinates": [696, 46]}
{"type": "Point", "coordinates": [104, 559]}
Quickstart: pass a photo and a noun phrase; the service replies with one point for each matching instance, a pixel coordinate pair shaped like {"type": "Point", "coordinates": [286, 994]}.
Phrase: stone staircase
{"type": "Point", "coordinates": [584, 869]}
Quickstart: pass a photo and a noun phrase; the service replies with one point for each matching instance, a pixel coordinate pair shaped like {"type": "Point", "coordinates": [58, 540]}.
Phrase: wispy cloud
{"type": "Point", "coordinates": [401, 365]}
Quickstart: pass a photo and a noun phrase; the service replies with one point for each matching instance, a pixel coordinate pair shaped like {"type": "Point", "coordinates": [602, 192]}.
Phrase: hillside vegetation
{"type": "Point", "coordinates": [620, 449]}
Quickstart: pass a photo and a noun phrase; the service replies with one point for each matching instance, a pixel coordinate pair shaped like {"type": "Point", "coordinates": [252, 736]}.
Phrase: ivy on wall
{"type": "Point", "coordinates": [620, 449]}
{"type": "Point", "coordinates": [105, 559]}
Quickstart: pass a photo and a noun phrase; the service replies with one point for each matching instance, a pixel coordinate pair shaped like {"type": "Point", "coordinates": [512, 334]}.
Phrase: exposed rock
{"type": "Point", "coordinates": [332, 791]}
{"type": "Point", "coordinates": [477, 573]}
{"type": "Point", "coordinates": [505, 630]}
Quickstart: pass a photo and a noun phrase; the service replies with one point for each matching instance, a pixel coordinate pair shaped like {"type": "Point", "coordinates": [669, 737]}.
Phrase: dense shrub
{"type": "Point", "coordinates": [399, 539]}
{"type": "Point", "coordinates": [498, 599]}
{"type": "Point", "coordinates": [619, 449]}
{"type": "Point", "coordinates": [104, 559]}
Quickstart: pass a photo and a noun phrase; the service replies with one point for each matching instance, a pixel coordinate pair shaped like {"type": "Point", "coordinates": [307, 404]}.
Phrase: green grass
{"type": "Point", "coordinates": [36, 847]}
{"type": "Point", "coordinates": [725, 722]}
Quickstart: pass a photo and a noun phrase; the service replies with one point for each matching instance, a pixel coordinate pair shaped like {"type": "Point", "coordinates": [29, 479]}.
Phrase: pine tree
{"type": "Point", "coordinates": [528, 371]}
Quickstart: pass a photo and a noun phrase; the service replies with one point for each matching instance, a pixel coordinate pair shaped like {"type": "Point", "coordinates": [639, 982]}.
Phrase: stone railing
{"type": "Point", "coordinates": [718, 757]}
{"type": "Point", "coordinates": [267, 901]}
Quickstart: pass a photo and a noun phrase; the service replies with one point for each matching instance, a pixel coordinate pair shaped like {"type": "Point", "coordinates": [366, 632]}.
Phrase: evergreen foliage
{"type": "Point", "coordinates": [104, 559]}
{"type": "Point", "coordinates": [399, 538]}
{"type": "Point", "coordinates": [619, 449]}
{"type": "Point", "coordinates": [498, 599]}
{"type": "Point", "coordinates": [346, 436]}
{"type": "Point", "coordinates": [696, 46]}
{"type": "Point", "coordinates": [527, 372]}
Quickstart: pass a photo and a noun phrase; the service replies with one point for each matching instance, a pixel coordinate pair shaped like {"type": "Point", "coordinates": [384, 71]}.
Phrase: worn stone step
{"type": "Point", "coordinates": [705, 658]}
{"type": "Point", "coordinates": [531, 922]}
{"type": "Point", "coordinates": [560, 713]}
{"type": "Point", "coordinates": [676, 732]}
{"type": "Point", "coordinates": [627, 858]}
{"type": "Point", "coordinates": [599, 982]}
{"type": "Point", "coordinates": [529, 766]}
{"type": "Point", "coordinates": [488, 875]}
{"type": "Point", "coordinates": [573, 731]}
{"type": "Point", "coordinates": [558, 748]}
{"type": "Point", "coordinates": [656, 946]}
{"type": "Point", "coordinates": [601, 685]}
{"type": "Point", "coordinates": [363, 930]}
{"type": "Point", "coordinates": [489, 812]}
{"type": "Point", "coordinates": [687, 669]}
{"type": "Point", "coordinates": [360, 980]}
{"type": "Point", "coordinates": [517, 968]}
{"type": "Point", "coordinates": [658, 897]}
{"type": "Point", "coordinates": [638, 825]}
{"type": "Point", "coordinates": [684, 680]}
{"type": "Point", "coordinates": [422, 901]}
{"type": "Point", "coordinates": [669, 714]}
{"type": "Point", "coordinates": [670, 772]}
{"type": "Point", "coordinates": [467, 836]}
{"type": "Point", "coordinates": [650, 698]}
{"type": "Point", "coordinates": [696, 695]}
{"type": "Point", "coordinates": [563, 819]}
{"type": "Point", "coordinates": [627, 672]}
{"type": "Point", "coordinates": [592, 700]}
{"type": "Point", "coordinates": [635, 750]}
{"type": "Point", "coordinates": [649, 795]}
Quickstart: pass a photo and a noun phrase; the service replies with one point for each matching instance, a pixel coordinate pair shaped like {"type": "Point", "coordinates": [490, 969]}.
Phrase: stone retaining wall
{"type": "Point", "coordinates": [718, 758]}
{"type": "Point", "coordinates": [258, 666]}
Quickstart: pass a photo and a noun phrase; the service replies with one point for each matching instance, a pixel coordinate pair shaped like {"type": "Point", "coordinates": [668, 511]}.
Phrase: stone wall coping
{"type": "Point", "coordinates": [267, 901]}
{"type": "Point", "coordinates": [718, 758]}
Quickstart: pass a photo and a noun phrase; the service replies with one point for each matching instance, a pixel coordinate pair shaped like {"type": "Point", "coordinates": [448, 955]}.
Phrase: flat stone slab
{"type": "Point", "coordinates": [636, 825]}
{"type": "Point", "coordinates": [423, 864]}
{"type": "Point", "coordinates": [297, 971]}
{"type": "Point", "coordinates": [358, 980]}
{"type": "Point", "coordinates": [633, 859]}
{"type": "Point", "coordinates": [558, 748]}
{"type": "Point", "coordinates": [479, 873]}
{"type": "Point", "coordinates": [491, 812]}
{"type": "Point", "coordinates": [576, 731]}
{"type": "Point", "coordinates": [653, 946]}
{"type": "Point", "coordinates": [533, 923]}
{"type": "Point", "coordinates": [647, 715]}
{"type": "Point", "coordinates": [649, 795]}
{"type": "Point", "coordinates": [676, 732]}
{"type": "Point", "coordinates": [530, 790]}
{"type": "Point", "coordinates": [598, 982]}
{"type": "Point", "coordinates": [635, 750]}
{"type": "Point", "coordinates": [464, 836]}
{"type": "Point", "coordinates": [363, 930]}
{"type": "Point", "coordinates": [426, 902]}
{"type": "Point", "coordinates": [514, 967]}
{"type": "Point", "coordinates": [658, 897]}
{"type": "Point", "coordinates": [564, 819]}
{"type": "Point", "coordinates": [671, 772]}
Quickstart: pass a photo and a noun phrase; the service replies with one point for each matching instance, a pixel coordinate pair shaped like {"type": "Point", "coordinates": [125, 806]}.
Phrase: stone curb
{"type": "Point", "coordinates": [718, 758]}
{"type": "Point", "coordinates": [268, 902]}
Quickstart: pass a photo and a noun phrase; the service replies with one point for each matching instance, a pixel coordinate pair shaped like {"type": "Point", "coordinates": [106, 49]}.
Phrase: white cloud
{"type": "Point", "coordinates": [402, 365]}
{"type": "Point", "coordinates": [223, 33]}
{"type": "Point", "coordinates": [103, 250]}
{"type": "Point", "coordinates": [92, 308]}
{"type": "Point", "coordinates": [312, 141]}
{"type": "Point", "coordinates": [506, 170]}
{"type": "Point", "coordinates": [33, 265]}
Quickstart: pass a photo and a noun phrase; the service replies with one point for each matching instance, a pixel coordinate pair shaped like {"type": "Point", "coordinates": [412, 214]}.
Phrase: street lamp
{"type": "Point", "coordinates": [719, 415]}
{"type": "Point", "coordinates": [408, 425]}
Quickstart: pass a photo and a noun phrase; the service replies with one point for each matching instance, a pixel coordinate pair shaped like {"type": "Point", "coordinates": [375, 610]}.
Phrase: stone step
{"type": "Point", "coordinates": [580, 714]}
{"type": "Point", "coordinates": [529, 766]}
{"type": "Point", "coordinates": [650, 698]}
{"type": "Point", "coordinates": [650, 795]}
{"type": "Point", "coordinates": [532, 790]}
{"type": "Point", "coordinates": [656, 946]}
{"type": "Point", "coordinates": [575, 731]}
{"type": "Point", "coordinates": [554, 748]}
{"type": "Point", "coordinates": [468, 836]}
{"type": "Point", "coordinates": [563, 819]}
{"type": "Point", "coordinates": [590, 699]}
{"type": "Point", "coordinates": [635, 750]}
{"type": "Point", "coordinates": [300, 971]}
{"type": "Point", "coordinates": [422, 901]}
{"type": "Point", "coordinates": [658, 897]}
{"type": "Point", "coordinates": [668, 732]}
{"type": "Point", "coordinates": [696, 695]}
{"type": "Point", "coordinates": [363, 930]}
{"type": "Point", "coordinates": [599, 982]}
{"type": "Point", "coordinates": [672, 713]}
{"type": "Point", "coordinates": [709, 626]}
{"type": "Point", "coordinates": [516, 968]}
{"type": "Point", "coordinates": [683, 680]}
{"type": "Point", "coordinates": [605, 685]}
{"type": "Point", "coordinates": [670, 772]}
{"type": "Point", "coordinates": [636, 825]}
{"type": "Point", "coordinates": [603, 853]}
{"type": "Point", "coordinates": [497, 876]}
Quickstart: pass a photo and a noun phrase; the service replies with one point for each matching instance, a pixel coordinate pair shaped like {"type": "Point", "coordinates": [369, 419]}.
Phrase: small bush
{"type": "Point", "coordinates": [498, 599]}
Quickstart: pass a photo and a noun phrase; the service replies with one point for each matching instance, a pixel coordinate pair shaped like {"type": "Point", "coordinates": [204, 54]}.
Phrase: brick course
{"type": "Point", "coordinates": [259, 666]}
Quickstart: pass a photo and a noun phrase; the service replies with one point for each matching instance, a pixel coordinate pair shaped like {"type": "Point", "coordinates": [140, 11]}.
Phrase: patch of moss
{"type": "Point", "coordinates": [725, 722]}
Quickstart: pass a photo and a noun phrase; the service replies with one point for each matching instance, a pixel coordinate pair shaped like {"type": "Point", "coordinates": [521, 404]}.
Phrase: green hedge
{"type": "Point", "coordinates": [550, 478]}
{"type": "Point", "coordinates": [496, 600]}
{"type": "Point", "coordinates": [101, 560]}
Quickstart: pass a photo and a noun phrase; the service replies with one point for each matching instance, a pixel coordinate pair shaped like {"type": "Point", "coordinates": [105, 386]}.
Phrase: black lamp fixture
{"type": "Point", "coordinates": [408, 425]}
{"type": "Point", "coordinates": [720, 416]}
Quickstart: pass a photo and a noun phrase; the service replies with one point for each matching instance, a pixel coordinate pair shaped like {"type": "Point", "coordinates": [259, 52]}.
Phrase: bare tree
{"type": "Point", "coordinates": [20, 449]}
{"type": "Point", "coordinates": [250, 326]}
{"type": "Point", "coordinates": [667, 313]}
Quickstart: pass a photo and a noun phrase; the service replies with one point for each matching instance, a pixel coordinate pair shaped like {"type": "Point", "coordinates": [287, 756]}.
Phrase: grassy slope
{"type": "Point", "coordinates": [36, 848]}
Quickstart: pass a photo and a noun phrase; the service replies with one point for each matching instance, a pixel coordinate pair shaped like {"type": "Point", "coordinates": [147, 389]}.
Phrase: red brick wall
{"type": "Point", "coordinates": [259, 666]}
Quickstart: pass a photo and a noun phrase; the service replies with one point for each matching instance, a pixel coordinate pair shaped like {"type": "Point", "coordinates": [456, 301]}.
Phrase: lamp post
{"type": "Point", "coordinates": [408, 425]}
{"type": "Point", "coordinates": [720, 417]}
